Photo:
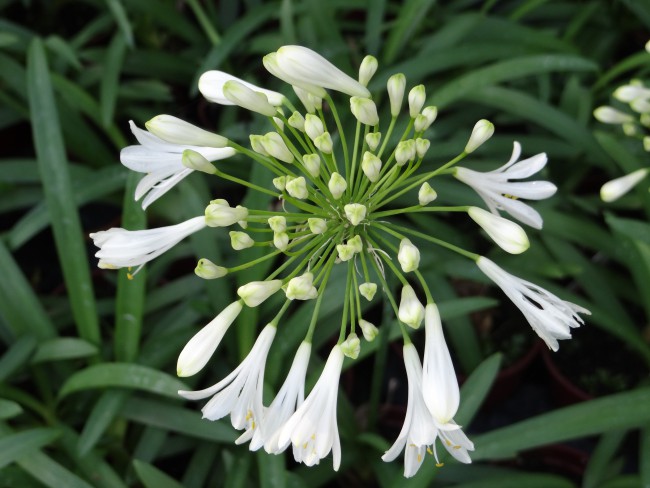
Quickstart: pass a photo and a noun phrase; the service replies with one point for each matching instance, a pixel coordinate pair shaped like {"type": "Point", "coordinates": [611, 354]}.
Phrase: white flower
{"type": "Point", "coordinates": [396, 85]}
{"type": "Point", "coordinates": [482, 131]}
{"type": "Point", "coordinates": [410, 311]}
{"type": "Point", "coordinates": [290, 396]}
{"type": "Point", "coordinates": [211, 85]}
{"type": "Point", "coordinates": [551, 317]}
{"type": "Point", "coordinates": [616, 188]}
{"type": "Point", "coordinates": [177, 131]}
{"type": "Point", "coordinates": [202, 345]}
{"type": "Point", "coordinates": [629, 93]}
{"type": "Point", "coordinates": [439, 383]}
{"type": "Point", "coordinates": [256, 292]}
{"type": "Point", "coordinates": [499, 193]}
{"type": "Point", "coordinates": [509, 236]}
{"type": "Point", "coordinates": [275, 146]}
{"type": "Point", "coordinates": [240, 393]}
{"type": "Point", "coordinates": [313, 429]}
{"type": "Point", "coordinates": [220, 214]}
{"type": "Point", "coordinates": [162, 162]}
{"type": "Point", "coordinates": [609, 115]}
{"type": "Point", "coordinates": [121, 248]}
{"type": "Point", "coordinates": [408, 256]}
{"type": "Point", "coordinates": [301, 288]}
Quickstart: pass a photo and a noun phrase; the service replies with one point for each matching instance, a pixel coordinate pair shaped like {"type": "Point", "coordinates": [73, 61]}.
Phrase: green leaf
{"type": "Point", "coordinates": [476, 388]}
{"type": "Point", "coordinates": [19, 445]}
{"type": "Point", "coordinates": [60, 46]}
{"type": "Point", "coordinates": [644, 455]}
{"type": "Point", "coordinates": [102, 414]}
{"type": "Point", "coordinates": [117, 9]}
{"type": "Point", "coordinates": [599, 462]}
{"type": "Point", "coordinates": [411, 15]}
{"type": "Point", "coordinates": [17, 356]}
{"type": "Point", "coordinates": [63, 348]}
{"type": "Point", "coordinates": [50, 472]}
{"type": "Point", "coordinates": [9, 409]}
{"type": "Point", "coordinates": [53, 167]}
{"type": "Point", "coordinates": [272, 471]}
{"type": "Point", "coordinates": [111, 79]}
{"type": "Point", "coordinates": [152, 477]}
{"type": "Point", "coordinates": [517, 480]}
{"type": "Point", "coordinates": [123, 375]}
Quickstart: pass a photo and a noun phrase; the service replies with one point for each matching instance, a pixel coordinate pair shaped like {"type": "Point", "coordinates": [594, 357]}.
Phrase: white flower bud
{"type": "Point", "coordinates": [431, 113]}
{"type": "Point", "coordinates": [220, 214]}
{"type": "Point", "coordinates": [355, 212]}
{"type": "Point", "coordinates": [240, 240]}
{"type": "Point", "coordinates": [313, 126]}
{"type": "Point", "coordinates": [324, 143]}
{"type": "Point", "coordinates": [317, 226]}
{"type": "Point", "coordinates": [207, 270]}
{"type": "Point", "coordinates": [647, 46]}
{"type": "Point", "coordinates": [351, 346]}
{"type": "Point", "coordinates": [420, 123]}
{"type": "Point", "coordinates": [281, 240]}
{"type": "Point", "coordinates": [364, 110]}
{"type": "Point", "coordinates": [306, 98]}
{"type": "Point", "coordinates": [256, 292]}
{"type": "Point", "coordinates": [345, 251]}
{"type": "Point", "coordinates": [629, 93]}
{"type": "Point", "coordinates": [280, 183]}
{"type": "Point", "coordinates": [368, 329]}
{"type": "Point", "coordinates": [426, 194]}
{"type": "Point", "coordinates": [272, 65]}
{"type": "Point", "coordinates": [177, 131]}
{"type": "Point", "coordinates": [482, 131]}
{"type": "Point", "coordinates": [609, 115]}
{"type": "Point", "coordinates": [301, 288]}
{"type": "Point", "coordinates": [396, 86]}
{"type": "Point", "coordinates": [640, 105]}
{"type": "Point", "coordinates": [196, 161]}
{"type": "Point", "coordinates": [312, 164]}
{"type": "Point", "coordinates": [256, 144]}
{"type": "Point", "coordinates": [297, 188]}
{"type": "Point", "coordinates": [645, 120]}
{"type": "Point", "coordinates": [368, 290]}
{"type": "Point", "coordinates": [629, 129]}
{"type": "Point", "coordinates": [337, 185]}
{"type": "Point", "coordinates": [277, 223]}
{"type": "Point", "coordinates": [508, 236]}
{"type": "Point", "coordinates": [211, 85]}
{"type": "Point", "coordinates": [410, 311]}
{"type": "Point", "coordinates": [356, 243]}
{"type": "Point", "coordinates": [371, 166]}
{"type": "Point", "coordinates": [373, 139]}
{"type": "Point", "coordinates": [275, 146]}
{"type": "Point", "coordinates": [408, 256]}
{"type": "Point", "coordinates": [279, 123]}
{"type": "Point", "coordinates": [646, 143]}
{"type": "Point", "coordinates": [367, 69]}
{"type": "Point", "coordinates": [297, 121]}
{"type": "Point", "coordinates": [422, 146]}
{"type": "Point", "coordinates": [616, 188]}
{"type": "Point", "coordinates": [252, 100]}
{"type": "Point", "coordinates": [404, 152]}
{"type": "Point", "coordinates": [417, 97]}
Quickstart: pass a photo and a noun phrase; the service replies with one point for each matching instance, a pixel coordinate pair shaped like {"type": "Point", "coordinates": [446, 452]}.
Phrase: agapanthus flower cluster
{"type": "Point", "coordinates": [635, 121]}
{"type": "Point", "coordinates": [329, 190]}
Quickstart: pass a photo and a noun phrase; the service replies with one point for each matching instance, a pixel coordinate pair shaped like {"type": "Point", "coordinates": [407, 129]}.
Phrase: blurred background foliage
{"type": "Point", "coordinates": [87, 374]}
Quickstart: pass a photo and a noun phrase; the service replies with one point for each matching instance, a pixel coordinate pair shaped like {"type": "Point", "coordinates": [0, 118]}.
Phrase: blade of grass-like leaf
{"type": "Point", "coordinates": [58, 194]}
{"type": "Point", "coordinates": [287, 26]}
{"type": "Point", "coordinates": [165, 14]}
{"type": "Point", "coordinates": [272, 470]}
{"type": "Point", "coordinates": [199, 467]}
{"type": "Point", "coordinates": [63, 348]}
{"type": "Point", "coordinates": [411, 14]}
{"type": "Point", "coordinates": [107, 407]}
{"type": "Point", "coordinates": [50, 473]}
{"type": "Point", "coordinates": [517, 480]}
{"type": "Point", "coordinates": [16, 356]}
{"type": "Point", "coordinates": [150, 443]}
{"type": "Point", "coordinates": [124, 375]}
{"type": "Point", "coordinates": [117, 9]}
{"type": "Point", "coordinates": [628, 64]}
{"type": "Point", "coordinates": [15, 446]}
{"type": "Point", "coordinates": [9, 409]}
{"type": "Point", "coordinates": [597, 468]}
{"type": "Point", "coordinates": [644, 455]}
{"type": "Point", "coordinates": [61, 47]}
{"type": "Point", "coordinates": [374, 26]}
{"type": "Point", "coordinates": [625, 410]}
{"type": "Point", "coordinates": [110, 81]}
{"type": "Point", "coordinates": [16, 170]}
{"type": "Point", "coordinates": [625, 481]}
{"type": "Point", "coordinates": [206, 25]}
{"type": "Point", "coordinates": [19, 305]}
{"type": "Point", "coordinates": [640, 9]}
{"type": "Point", "coordinates": [152, 477]}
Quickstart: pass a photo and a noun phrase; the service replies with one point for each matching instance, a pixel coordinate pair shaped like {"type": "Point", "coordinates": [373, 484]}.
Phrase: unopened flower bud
{"type": "Point", "coordinates": [371, 166]}
{"type": "Point", "coordinates": [177, 131]}
{"type": "Point", "coordinates": [281, 240]}
{"type": "Point", "coordinates": [324, 143]}
{"type": "Point", "coordinates": [616, 188]}
{"type": "Point", "coordinates": [256, 292]}
{"type": "Point", "coordinates": [356, 243]}
{"type": "Point", "coordinates": [277, 223]}
{"type": "Point", "coordinates": [275, 146]}
{"type": "Point", "coordinates": [297, 121]}
{"type": "Point", "coordinates": [364, 110]}
{"type": "Point", "coordinates": [368, 329]}
{"type": "Point", "coordinates": [313, 126]}
{"type": "Point", "coordinates": [408, 256]}
{"type": "Point", "coordinates": [280, 183]}
{"type": "Point", "coordinates": [337, 185]}
{"type": "Point", "coordinates": [194, 160]}
{"type": "Point", "coordinates": [629, 129]}
{"type": "Point", "coordinates": [240, 240]}
{"type": "Point", "coordinates": [312, 164]}
{"type": "Point", "coordinates": [609, 115]}
{"type": "Point", "coordinates": [426, 194]}
{"type": "Point", "coordinates": [417, 97]}
{"type": "Point", "coordinates": [367, 69]}
{"type": "Point", "coordinates": [482, 131]}
{"type": "Point", "coordinates": [306, 98]}
{"type": "Point", "coordinates": [431, 113]}
{"type": "Point", "coordinates": [422, 146]}
{"type": "Point", "coordinates": [317, 226]}
{"type": "Point", "coordinates": [368, 290]}
{"type": "Point", "coordinates": [355, 212]}
{"type": "Point", "coordinates": [297, 188]}
{"type": "Point", "coordinates": [646, 143]}
{"type": "Point", "coordinates": [629, 93]}
{"type": "Point", "coordinates": [207, 270]}
{"type": "Point", "coordinates": [396, 85]}
{"type": "Point", "coordinates": [220, 214]}
{"type": "Point", "coordinates": [351, 346]}
{"type": "Point", "coordinates": [373, 139]}
{"type": "Point", "coordinates": [256, 144]}
{"type": "Point", "coordinates": [345, 251]}
{"type": "Point", "coordinates": [301, 288]}
{"type": "Point", "coordinates": [508, 236]}
{"type": "Point", "coordinates": [404, 152]}
{"type": "Point", "coordinates": [410, 311]}
{"type": "Point", "coordinates": [252, 100]}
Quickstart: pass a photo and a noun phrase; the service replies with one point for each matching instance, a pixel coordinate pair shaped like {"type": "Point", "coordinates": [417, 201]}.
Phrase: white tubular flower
{"type": "Point", "coordinates": [410, 311]}
{"type": "Point", "coordinates": [277, 223]}
{"type": "Point", "coordinates": [200, 348]}
{"type": "Point", "coordinates": [337, 185]}
{"type": "Point", "coordinates": [609, 115]}
{"type": "Point", "coordinates": [313, 429]}
{"type": "Point", "coordinates": [324, 143]}
{"type": "Point", "coordinates": [252, 100]}
{"type": "Point", "coordinates": [312, 164]}
{"type": "Point", "coordinates": [304, 66]}
{"type": "Point", "coordinates": [404, 152]}
{"type": "Point", "coordinates": [177, 131]}
{"type": "Point", "coordinates": [207, 270]}
{"type": "Point", "coordinates": [256, 292]}
{"type": "Point", "coordinates": [301, 288]}
{"type": "Point", "coordinates": [373, 139]}
{"type": "Point", "coordinates": [482, 131]}
{"type": "Point", "coordinates": [396, 86]}
{"type": "Point", "coordinates": [367, 69]}
{"type": "Point", "coordinates": [313, 126]}
{"type": "Point", "coordinates": [275, 146]}
{"type": "Point", "coordinates": [297, 121]}
{"type": "Point", "coordinates": [422, 146]}
{"type": "Point", "coordinates": [355, 213]}
{"type": "Point", "coordinates": [316, 225]}
{"type": "Point", "coordinates": [509, 236]}
{"type": "Point", "coordinates": [240, 240]}
{"type": "Point", "coordinates": [290, 396]}
{"type": "Point", "coordinates": [368, 329]}
{"type": "Point", "coordinates": [368, 290]}
{"type": "Point", "coordinates": [616, 188]}
{"type": "Point", "coordinates": [162, 162]}
{"type": "Point", "coordinates": [493, 186]}
{"type": "Point", "coordinates": [211, 85]}
{"type": "Point", "coordinates": [550, 317]}
{"type": "Point", "coordinates": [297, 188]}
{"type": "Point", "coordinates": [426, 194]}
{"type": "Point", "coordinates": [371, 166]}
{"type": "Point", "coordinates": [281, 240]}
{"type": "Point", "coordinates": [220, 214]}
{"type": "Point", "coordinates": [417, 97]}
{"type": "Point", "coordinates": [408, 256]}
{"type": "Point", "coordinates": [240, 393]}
{"type": "Point", "coordinates": [351, 346]}
{"type": "Point", "coordinates": [364, 110]}
{"type": "Point", "coordinates": [121, 248]}
{"type": "Point", "coordinates": [440, 386]}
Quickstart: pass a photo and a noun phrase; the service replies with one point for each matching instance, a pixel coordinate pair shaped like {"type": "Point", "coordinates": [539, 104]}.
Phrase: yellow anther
{"type": "Point", "coordinates": [429, 451]}
{"type": "Point", "coordinates": [448, 442]}
{"type": "Point", "coordinates": [511, 197]}
{"type": "Point", "coordinates": [456, 447]}
{"type": "Point", "coordinates": [304, 446]}
{"type": "Point", "coordinates": [419, 458]}
{"type": "Point", "coordinates": [439, 465]}
{"type": "Point", "coordinates": [129, 276]}
{"type": "Point", "coordinates": [313, 437]}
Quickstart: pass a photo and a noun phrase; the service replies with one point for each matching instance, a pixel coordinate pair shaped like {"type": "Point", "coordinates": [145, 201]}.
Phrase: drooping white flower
{"type": "Point", "coordinates": [240, 393]}
{"type": "Point", "coordinates": [211, 85]}
{"type": "Point", "coordinates": [256, 292]}
{"type": "Point", "coordinates": [313, 429]}
{"type": "Point", "coordinates": [410, 311]}
{"type": "Point", "coordinates": [616, 188]}
{"type": "Point", "coordinates": [509, 236]}
{"type": "Point", "coordinates": [162, 162]}
{"type": "Point", "coordinates": [198, 351]}
{"type": "Point", "coordinates": [499, 193]}
{"type": "Point", "coordinates": [551, 317]}
{"type": "Point", "coordinates": [121, 248]}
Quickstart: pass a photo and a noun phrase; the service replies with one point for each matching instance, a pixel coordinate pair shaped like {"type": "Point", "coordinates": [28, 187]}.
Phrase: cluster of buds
{"type": "Point", "coordinates": [335, 186]}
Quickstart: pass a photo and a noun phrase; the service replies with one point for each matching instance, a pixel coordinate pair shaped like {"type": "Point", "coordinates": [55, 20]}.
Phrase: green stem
{"type": "Point", "coordinates": [417, 208]}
